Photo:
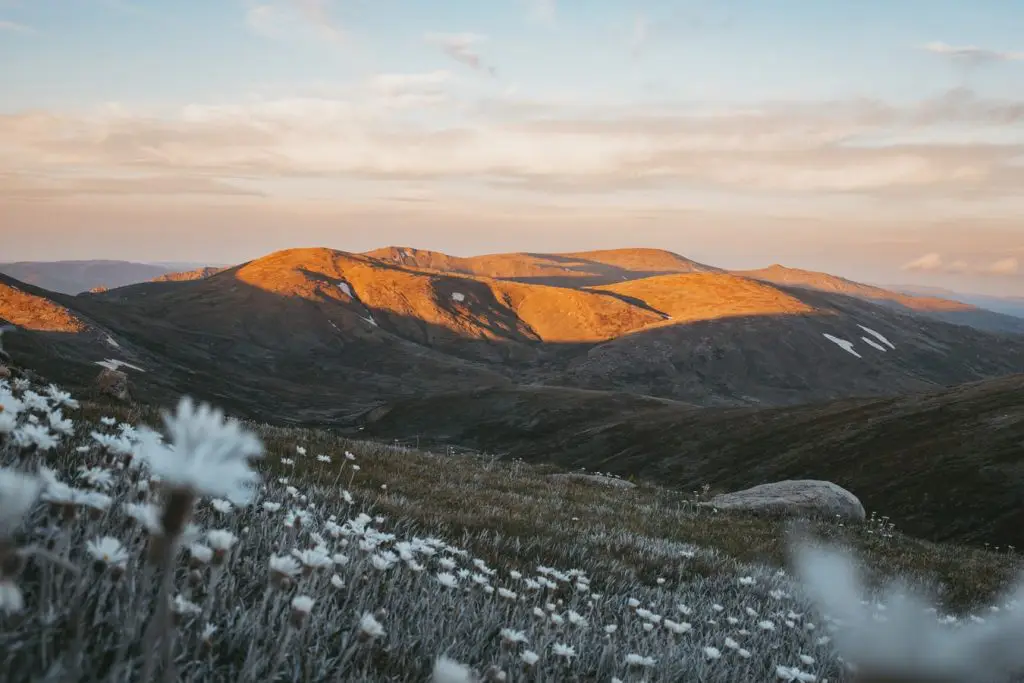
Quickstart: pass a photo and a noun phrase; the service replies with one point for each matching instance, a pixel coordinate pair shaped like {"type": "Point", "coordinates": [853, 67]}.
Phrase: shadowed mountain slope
{"type": "Point", "coordinates": [73, 277]}
{"type": "Point", "coordinates": [945, 465]}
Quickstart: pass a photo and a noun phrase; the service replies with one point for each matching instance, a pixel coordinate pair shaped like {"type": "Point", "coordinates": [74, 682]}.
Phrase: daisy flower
{"type": "Point", "coordinates": [108, 552]}
{"type": "Point", "coordinates": [370, 628]}
{"type": "Point", "coordinates": [567, 652]}
{"type": "Point", "coordinates": [208, 455]}
{"type": "Point", "coordinates": [29, 435]}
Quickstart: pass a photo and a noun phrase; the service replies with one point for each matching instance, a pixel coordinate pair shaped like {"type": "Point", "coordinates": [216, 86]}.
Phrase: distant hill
{"type": "Point", "coordinates": [924, 301]}
{"type": "Point", "coordinates": [73, 277]}
{"type": "Point", "coordinates": [187, 275]}
{"type": "Point", "coordinates": [321, 335]}
{"type": "Point", "coordinates": [76, 277]}
{"type": "Point", "coordinates": [1008, 305]}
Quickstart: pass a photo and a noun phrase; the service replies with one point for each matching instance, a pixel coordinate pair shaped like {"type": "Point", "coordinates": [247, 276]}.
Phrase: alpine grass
{"type": "Point", "coordinates": [209, 549]}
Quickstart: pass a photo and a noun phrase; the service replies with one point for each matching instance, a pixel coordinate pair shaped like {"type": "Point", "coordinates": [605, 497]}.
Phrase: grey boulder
{"type": "Point", "coordinates": [794, 497]}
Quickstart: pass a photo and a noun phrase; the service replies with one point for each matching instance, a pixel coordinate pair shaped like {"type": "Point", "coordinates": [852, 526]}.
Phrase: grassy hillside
{"type": "Point", "coordinates": [947, 464]}
{"type": "Point", "coordinates": [400, 557]}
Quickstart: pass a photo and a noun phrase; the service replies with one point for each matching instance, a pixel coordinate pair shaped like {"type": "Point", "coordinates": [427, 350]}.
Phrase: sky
{"type": "Point", "coordinates": [883, 141]}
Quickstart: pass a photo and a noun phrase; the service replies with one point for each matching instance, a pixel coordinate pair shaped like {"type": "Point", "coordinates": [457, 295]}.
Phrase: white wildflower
{"type": "Point", "coordinates": [208, 455]}
{"type": "Point", "coordinates": [108, 551]}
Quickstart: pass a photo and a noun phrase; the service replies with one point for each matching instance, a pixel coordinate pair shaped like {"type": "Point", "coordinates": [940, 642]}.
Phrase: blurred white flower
{"type": "Point", "coordinates": [184, 607]}
{"type": "Point", "coordinates": [11, 599]}
{"type": "Point", "coordinates": [313, 559]}
{"type": "Point", "coordinates": [98, 477]}
{"type": "Point", "coordinates": [910, 644]}
{"type": "Point", "coordinates": [61, 397]}
{"type": "Point", "coordinates": [786, 673]}
{"type": "Point", "coordinates": [221, 540]}
{"type": "Point", "coordinates": [28, 435]}
{"type": "Point", "coordinates": [61, 425]}
{"type": "Point", "coordinates": [369, 627]}
{"type": "Point", "coordinates": [18, 493]}
{"type": "Point", "coordinates": [447, 580]}
{"type": "Point", "coordinates": [529, 657]}
{"type": "Point", "coordinates": [449, 671]}
{"type": "Point", "coordinates": [512, 637]}
{"type": "Point", "coordinates": [303, 603]}
{"type": "Point", "coordinates": [222, 506]}
{"type": "Point", "coordinates": [712, 652]}
{"type": "Point", "coordinates": [284, 566]}
{"type": "Point", "coordinates": [8, 421]}
{"type": "Point", "coordinates": [640, 661]}
{"type": "Point", "coordinates": [564, 651]}
{"type": "Point", "coordinates": [208, 455]}
{"type": "Point", "coordinates": [202, 554]}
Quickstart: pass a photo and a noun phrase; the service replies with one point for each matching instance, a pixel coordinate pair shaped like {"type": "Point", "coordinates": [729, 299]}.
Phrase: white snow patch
{"type": "Point", "coordinates": [343, 286]}
{"type": "Point", "coordinates": [842, 343]}
{"type": "Point", "coordinates": [113, 342]}
{"type": "Point", "coordinates": [333, 325]}
{"type": "Point", "coordinates": [371, 321]}
{"type": "Point", "coordinates": [873, 344]}
{"type": "Point", "coordinates": [113, 364]}
{"type": "Point", "coordinates": [458, 296]}
{"type": "Point", "coordinates": [878, 336]}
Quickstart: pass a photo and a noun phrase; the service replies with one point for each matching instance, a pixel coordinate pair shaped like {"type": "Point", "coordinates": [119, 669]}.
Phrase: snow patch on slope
{"type": "Point", "coordinates": [113, 364]}
{"type": "Point", "coordinates": [113, 342]}
{"type": "Point", "coordinates": [458, 296]}
{"type": "Point", "coordinates": [842, 343]}
{"type": "Point", "coordinates": [343, 286]}
{"type": "Point", "coordinates": [873, 344]}
{"type": "Point", "coordinates": [878, 336]}
{"type": "Point", "coordinates": [371, 321]}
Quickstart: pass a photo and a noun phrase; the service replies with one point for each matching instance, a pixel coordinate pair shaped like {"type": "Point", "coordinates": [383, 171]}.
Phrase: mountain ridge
{"type": "Point", "coordinates": [279, 327]}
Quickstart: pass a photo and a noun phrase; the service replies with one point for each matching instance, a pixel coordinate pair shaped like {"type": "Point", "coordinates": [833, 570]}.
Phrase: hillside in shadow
{"type": "Point", "coordinates": [944, 465]}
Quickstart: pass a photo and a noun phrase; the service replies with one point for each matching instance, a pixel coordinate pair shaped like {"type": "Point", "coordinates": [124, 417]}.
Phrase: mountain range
{"type": "Point", "coordinates": [322, 335]}
{"type": "Point", "coordinates": [74, 277]}
{"type": "Point", "coordinates": [639, 362]}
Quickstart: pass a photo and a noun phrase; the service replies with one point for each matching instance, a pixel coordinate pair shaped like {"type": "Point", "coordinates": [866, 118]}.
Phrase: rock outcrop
{"type": "Point", "coordinates": [114, 383]}
{"type": "Point", "coordinates": [794, 497]}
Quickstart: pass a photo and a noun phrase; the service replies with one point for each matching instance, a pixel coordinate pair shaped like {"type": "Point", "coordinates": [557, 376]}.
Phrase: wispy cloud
{"type": "Point", "coordinates": [929, 262]}
{"type": "Point", "coordinates": [318, 13]}
{"type": "Point", "coordinates": [971, 54]}
{"type": "Point", "coordinates": [294, 19]}
{"type": "Point", "coordinates": [462, 47]}
{"type": "Point", "coordinates": [639, 35]}
{"type": "Point", "coordinates": [1006, 266]}
{"type": "Point", "coordinates": [542, 11]}
{"type": "Point", "coordinates": [935, 263]}
{"type": "Point", "coordinates": [15, 27]}
{"type": "Point", "coordinates": [794, 149]}
{"type": "Point", "coordinates": [18, 186]}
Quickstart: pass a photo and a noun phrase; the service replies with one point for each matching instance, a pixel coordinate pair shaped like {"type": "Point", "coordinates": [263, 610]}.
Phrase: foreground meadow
{"type": "Point", "coordinates": [222, 551]}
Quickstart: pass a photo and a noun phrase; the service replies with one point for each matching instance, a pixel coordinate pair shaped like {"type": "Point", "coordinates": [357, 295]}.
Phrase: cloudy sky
{"type": "Point", "coordinates": [879, 140]}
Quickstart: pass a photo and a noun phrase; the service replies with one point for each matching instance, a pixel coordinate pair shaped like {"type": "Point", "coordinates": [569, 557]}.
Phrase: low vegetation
{"type": "Point", "coordinates": [130, 556]}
